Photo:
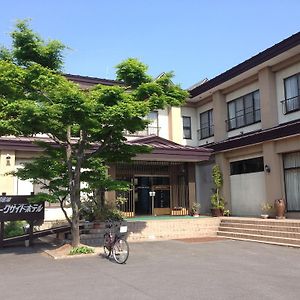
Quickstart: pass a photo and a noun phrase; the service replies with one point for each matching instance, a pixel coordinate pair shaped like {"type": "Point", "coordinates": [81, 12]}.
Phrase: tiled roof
{"type": "Point", "coordinates": [160, 143]}
{"type": "Point", "coordinates": [255, 137]}
{"type": "Point", "coordinates": [163, 150]}
{"type": "Point", "coordinates": [90, 81]}
{"type": "Point", "coordinates": [248, 64]}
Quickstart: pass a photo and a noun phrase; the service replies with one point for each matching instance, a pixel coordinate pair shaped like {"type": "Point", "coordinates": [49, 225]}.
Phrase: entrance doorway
{"type": "Point", "coordinates": [152, 195]}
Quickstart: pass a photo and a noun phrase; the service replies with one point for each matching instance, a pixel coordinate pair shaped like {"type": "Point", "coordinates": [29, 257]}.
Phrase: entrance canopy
{"type": "Point", "coordinates": [165, 150]}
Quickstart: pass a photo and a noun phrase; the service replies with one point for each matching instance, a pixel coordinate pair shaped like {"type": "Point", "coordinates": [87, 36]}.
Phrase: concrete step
{"type": "Point", "coordinates": [260, 227]}
{"type": "Point", "coordinates": [257, 221]}
{"type": "Point", "coordinates": [262, 232]}
{"type": "Point", "coordinates": [261, 238]}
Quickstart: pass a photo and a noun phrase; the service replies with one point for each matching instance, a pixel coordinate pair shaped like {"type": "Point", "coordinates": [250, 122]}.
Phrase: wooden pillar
{"type": "Point", "coordinates": [31, 233]}
{"type": "Point", "coordinates": [111, 195]}
{"type": "Point", "coordinates": [191, 184]}
{"type": "Point", "coordinates": [1, 234]}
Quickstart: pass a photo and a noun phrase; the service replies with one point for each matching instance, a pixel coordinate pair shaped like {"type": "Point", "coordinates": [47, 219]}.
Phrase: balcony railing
{"type": "Point", "coordinates": [243, 120]}
{"type": "Point", "coordinates": [291, 104]}
{"type": "Point", "coordinates": [149, 130]}
{"type": "Point", "coordinates": [205, 132]}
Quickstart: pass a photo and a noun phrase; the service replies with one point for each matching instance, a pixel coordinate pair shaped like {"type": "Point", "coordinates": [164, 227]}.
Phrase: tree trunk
{"type": "Point", "coordinates": [75, 225]}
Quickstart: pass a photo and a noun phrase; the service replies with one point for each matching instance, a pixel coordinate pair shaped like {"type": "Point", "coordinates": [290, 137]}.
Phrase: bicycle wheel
{"type": "Point", "coordinates": [120, 251]}
{"type": "Point", "coordinates": [106, 245]}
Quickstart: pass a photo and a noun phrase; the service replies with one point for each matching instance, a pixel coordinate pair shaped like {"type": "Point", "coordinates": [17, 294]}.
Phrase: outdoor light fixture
{"type": "Point", "coordinates": [267, 169]}
{"type": "Point", "coordinates": [8, 158]}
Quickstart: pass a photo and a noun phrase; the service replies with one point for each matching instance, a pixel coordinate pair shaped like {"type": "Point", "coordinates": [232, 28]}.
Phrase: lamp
{"type": "Point", "coordinates": [8, 157]}
{"type": "Point", "coordinates": [267, 169]}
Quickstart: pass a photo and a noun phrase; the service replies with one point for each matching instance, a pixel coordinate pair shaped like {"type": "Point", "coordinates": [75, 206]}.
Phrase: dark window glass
{"type": "Point", "coordinates": [292, 93]}
{"type": "Point", "coordinates": [247, 166]}
{"type": "Point", "coordinates": [206, 124]}
{"type": "Point", "coordinates": [243, 111]}
{"type": "Point", "coordinates": [187, 127]}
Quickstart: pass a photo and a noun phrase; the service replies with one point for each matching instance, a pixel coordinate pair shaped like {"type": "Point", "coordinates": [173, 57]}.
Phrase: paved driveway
{"type": "Point", "coordinates": [157, 270]}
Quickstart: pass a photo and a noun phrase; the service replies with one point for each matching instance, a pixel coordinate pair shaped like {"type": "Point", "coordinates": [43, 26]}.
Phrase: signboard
{"type": "Point", "coordinates": [13, 208]}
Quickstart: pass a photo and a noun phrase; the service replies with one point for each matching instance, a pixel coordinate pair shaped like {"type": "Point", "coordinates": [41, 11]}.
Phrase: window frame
{"type": "Point", "coordinates": [189, 128]}
{"type": "Point", "coordinates": [284, 102]}
{"type": "Point", "coordinates": [255, 112]}
{"type": "Point", "coordinates": [209, 126]}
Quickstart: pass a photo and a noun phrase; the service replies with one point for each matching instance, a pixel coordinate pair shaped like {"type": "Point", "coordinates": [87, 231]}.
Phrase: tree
{"type": "Point", "coordinates": [84, 128]}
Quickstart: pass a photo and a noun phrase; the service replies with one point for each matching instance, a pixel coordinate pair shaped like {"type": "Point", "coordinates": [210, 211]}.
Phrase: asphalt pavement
{"type": "Point", "coordinates": [221, 269]}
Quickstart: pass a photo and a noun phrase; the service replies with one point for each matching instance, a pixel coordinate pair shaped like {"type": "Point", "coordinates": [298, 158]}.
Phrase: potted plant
{"type": "Point", "coordinates": [266, 208]}
{"type": "Point", "coordinates": [217, 201]}
{"type": "Point", "coordinates": [195, 209]}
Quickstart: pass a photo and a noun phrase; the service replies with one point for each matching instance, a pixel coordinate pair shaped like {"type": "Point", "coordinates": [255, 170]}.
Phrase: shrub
{"type": "Point", "coordinates": [81, 250]}
{"type": "Point", "coordinates": [13, 228]}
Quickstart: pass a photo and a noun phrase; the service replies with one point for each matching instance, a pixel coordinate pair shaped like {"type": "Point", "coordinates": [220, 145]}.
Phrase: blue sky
{"type": "Point", "coordinates": [195, 39]}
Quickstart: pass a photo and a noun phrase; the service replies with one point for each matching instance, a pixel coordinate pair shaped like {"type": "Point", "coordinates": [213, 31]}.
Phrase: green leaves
{"type": "Point", "coordinates": [132, 73]}
{"type": "Point", "coordinates": [28, 48]}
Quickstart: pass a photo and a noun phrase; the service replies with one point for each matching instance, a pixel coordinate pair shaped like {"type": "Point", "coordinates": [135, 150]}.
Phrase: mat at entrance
{"type": "Point", "coordinates": [158, 218]}
{"type": "Point", "coordinates": [200, 239]}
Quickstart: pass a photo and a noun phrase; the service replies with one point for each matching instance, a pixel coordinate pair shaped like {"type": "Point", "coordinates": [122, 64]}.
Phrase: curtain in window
{"type": "Point", "coordinates": [291, 91]}
{"type": "Point", "coordinates": [292, 180]}
{"type": "Point", "coordinates": [187, 134]}
{"type": "Point", "coordinates": [231, 115]}
{"type": "Point", "coordinates": [256, 99]}
{"type": "Point", "coordinates": [249, 109]}
{"type": "Point", "coordinates": [211, 122]}
{"type": "Point", "coordinates": [204, 124]}
{"type": "Point", "coordinates": [292, 185]}
{"type": "Point", "coordinates": [240, 120]}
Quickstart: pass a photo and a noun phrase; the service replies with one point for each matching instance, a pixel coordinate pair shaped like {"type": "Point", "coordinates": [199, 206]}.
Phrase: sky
{"type": "Point", "coordinates": [194, 39]}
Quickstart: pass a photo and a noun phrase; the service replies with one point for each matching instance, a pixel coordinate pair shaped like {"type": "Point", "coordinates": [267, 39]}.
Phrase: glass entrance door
{"type": "Point", "coordinates": [152, 196]}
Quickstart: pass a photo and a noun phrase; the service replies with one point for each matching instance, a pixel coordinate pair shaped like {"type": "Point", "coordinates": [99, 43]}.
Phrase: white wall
{"type": "Point", "coordinates": [56, 214]}
{"type": "Point", "coordinates": [279, 77]}
{"type": "Point", "coordinates": [163, 123]}
{"type": "Point", "coordinates": [243, 130]}
{"type": "Point", "coordinates": [242, 91]}
{"type": "Point", "coordinates": [248, 192]}
{"type": "Point", "coordinates": [191, 112]}
{"type": "Point", "coordinates": [22, 187]}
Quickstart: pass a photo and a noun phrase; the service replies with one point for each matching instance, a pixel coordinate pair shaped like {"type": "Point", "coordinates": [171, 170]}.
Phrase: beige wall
{"type": "Point", "coordinates": [175, 125]}
{"type": "Point", "coordinates": [273, 182]}
{"type": "Point", "coordinates": [268, 105]}
{"type": "Point", "coordinates": [7, 181]}
{"type": "Point", "coordinates": [219, 116]}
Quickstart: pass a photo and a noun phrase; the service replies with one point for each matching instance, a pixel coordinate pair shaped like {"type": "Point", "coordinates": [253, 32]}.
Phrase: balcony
{"type": "Point", "coordinates": [205, 132]}
{"type": "Point", "coordinates": [290, 105]}
{"type": "Point", "coordinates": [149, 130]}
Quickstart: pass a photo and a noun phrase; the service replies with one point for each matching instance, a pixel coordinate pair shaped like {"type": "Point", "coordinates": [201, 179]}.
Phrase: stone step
{"type": "Point", "coordinates": [285, 234]}
{"type": "Point", "coordinates": [259, 238]}
{"type": "Point", "coordinates": [260, 227]}
{"type": "Point", "coordinates": [257, 221]}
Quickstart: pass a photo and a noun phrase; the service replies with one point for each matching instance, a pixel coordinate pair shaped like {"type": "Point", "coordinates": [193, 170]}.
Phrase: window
{"type": "Point", "coordinates": [152, 128]}
{"type": "Point", "coordinates": [206, 125]}
{"type": "Point", "coordinates": [244, 111]}
{"type": "Point", "coordinates": [187, 127]}
{"type": "Point", "coordinates": [247, 166]}
{"type": "Point", "coordinates": [291, 164]}
{"type": "Point", "coordinates": [291, 102]}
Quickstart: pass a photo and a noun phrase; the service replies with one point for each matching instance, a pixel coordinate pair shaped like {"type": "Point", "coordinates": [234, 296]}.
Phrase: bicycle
{"type": "Point", "coordinates": [114, 243]}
